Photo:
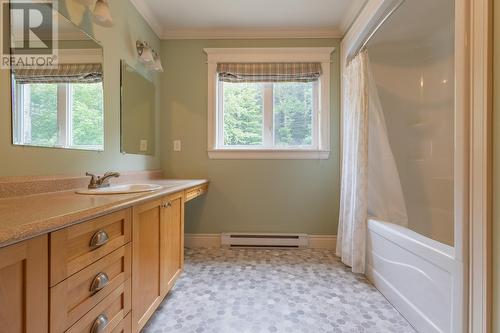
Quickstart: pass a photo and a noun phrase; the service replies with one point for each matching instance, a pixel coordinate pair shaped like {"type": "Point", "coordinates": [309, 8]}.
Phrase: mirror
{"type": "Point", "coordinates": [59, 106]}
{"type": "Point", "coordinates": [137, 112]}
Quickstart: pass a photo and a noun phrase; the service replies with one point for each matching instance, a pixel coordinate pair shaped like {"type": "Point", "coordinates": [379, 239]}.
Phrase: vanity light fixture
{"type": "Point", "coordinates": [148, 56]}
{"type": "Point", "coordinates": [145, 52]}
{"type": "Point", "coordinates": [102, 14]}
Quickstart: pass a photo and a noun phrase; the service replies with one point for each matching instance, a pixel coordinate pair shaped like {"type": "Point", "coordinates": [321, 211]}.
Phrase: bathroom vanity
{"type": "Point", "coordinates": [88, 263]}
{"type": "Point", "coordinates": [77, 259]}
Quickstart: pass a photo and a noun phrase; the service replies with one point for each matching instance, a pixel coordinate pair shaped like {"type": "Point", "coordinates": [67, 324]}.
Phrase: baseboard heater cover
{"type": "Point", "coordinates": [256, 240]}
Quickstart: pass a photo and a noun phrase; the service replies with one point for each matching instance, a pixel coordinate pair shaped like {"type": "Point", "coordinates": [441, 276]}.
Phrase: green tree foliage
{"type": "Point", "coordinates": [43, 109]}
{"type": "Point", "coordinates": [293, 110]}
{"type": "Point", "coordinates": [88, 120]}
{"type": "Point", "coordinates": [243, 114]}
{"type": "Point", "coordinates": [87, 113]}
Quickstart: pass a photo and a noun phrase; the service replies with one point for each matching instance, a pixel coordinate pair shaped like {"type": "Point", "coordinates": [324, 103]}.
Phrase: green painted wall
{"type": "Point", "coordinates": [496, 171]}
{"type": "Point", "coordinates": [245, 195]}
{"type": "Point", "coordinates": [118, 43]}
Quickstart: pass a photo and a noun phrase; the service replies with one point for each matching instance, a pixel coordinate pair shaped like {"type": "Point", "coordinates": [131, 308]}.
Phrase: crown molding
{"type": "Point", "coordinates": [249, 33]}
{"type": "Point", "coordinates": [147, 14]}
{"type": "Point", "coordinates": [269, 54]}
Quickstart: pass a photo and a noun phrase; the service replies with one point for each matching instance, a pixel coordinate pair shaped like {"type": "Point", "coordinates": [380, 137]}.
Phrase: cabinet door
{"type": "Point", "coordinates": [24, 287]}
{"type": "Point", "coordinates": [172, 240]}
{"type": "Point", "coordinates": [146, 270]}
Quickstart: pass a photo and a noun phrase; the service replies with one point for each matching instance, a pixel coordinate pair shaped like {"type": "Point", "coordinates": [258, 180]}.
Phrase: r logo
{"type": "Point", "coordinates": [28, 28]}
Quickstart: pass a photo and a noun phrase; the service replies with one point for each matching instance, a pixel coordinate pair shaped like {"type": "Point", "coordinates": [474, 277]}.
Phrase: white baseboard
{"type": "Point", "coordinates": [213, 240]}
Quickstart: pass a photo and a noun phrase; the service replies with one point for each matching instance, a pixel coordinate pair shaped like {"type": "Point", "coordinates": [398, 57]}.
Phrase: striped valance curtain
{"type": "Point", "coordinates": [64, 73]}
{"type": "Point", "coordinates": [269, 72]}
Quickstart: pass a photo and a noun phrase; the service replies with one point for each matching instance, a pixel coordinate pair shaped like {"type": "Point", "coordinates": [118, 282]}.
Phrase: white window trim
{"type": "Point", "coordinates": [288, 54]}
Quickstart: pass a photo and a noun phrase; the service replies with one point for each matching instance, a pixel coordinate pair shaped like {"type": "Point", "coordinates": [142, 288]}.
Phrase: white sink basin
{"type": "Point", "coordinates": [122, 189]}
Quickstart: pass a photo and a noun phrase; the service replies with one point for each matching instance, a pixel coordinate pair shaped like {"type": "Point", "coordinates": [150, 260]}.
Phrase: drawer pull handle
{"type": "Point", "coordinates": [167, 204]}
{"type": "Point", "coordinates": [99, 324]}
{"type": "Point", "coordinates": [99, 282]}
{"type": "Point", "coordinates": [99, 239]}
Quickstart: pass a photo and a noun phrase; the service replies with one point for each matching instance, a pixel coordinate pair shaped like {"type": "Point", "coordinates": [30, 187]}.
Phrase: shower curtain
{"type": "Point", "coordinates": [370, 182]}
{"type": "Point", "coordinates": [351, 233]}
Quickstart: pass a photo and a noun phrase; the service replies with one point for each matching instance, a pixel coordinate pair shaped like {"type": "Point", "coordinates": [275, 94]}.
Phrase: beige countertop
{"type": "Point", "coordinates": [28, 216]}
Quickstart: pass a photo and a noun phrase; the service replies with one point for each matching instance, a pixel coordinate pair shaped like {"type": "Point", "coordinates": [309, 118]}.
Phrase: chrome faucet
{"type": "Point", "coordinates": [99, 182]}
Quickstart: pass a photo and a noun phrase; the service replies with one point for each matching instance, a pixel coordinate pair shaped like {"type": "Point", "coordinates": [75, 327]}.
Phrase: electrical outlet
{"type": "Point", "coordinates": [177, 145]}
{"type": "Point", "coordinates": [143, 145]}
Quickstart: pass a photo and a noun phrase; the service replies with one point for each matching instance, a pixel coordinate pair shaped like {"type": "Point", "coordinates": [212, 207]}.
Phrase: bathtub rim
{"type": "Point", "coordinates": [439, 254]}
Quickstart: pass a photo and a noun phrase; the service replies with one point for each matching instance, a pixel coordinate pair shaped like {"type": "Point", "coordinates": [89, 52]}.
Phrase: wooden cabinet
{"type": "Point", "coordinates": [172, 240]}
{"type": "Point", "coordinates": [146, 289]}
{"type": "Point", "coordinates": [24, 286]}
{"type": "Point", "coordinates": [157, 240]}
{"type": "Point", "coordinates": [107, 274]}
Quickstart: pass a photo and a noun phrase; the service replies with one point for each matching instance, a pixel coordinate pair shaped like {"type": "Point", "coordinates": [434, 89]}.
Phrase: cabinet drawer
{"type": "Point", "coordinates": [76, 247]}
{"type": "Point", "coordinates": [125, 326]}
{"type": "Point", "coordinates": [196, 192]}
{"type": "Point", "coordinates": [111, 310]}
{"type": "Point", "coordinates": [78, 294]}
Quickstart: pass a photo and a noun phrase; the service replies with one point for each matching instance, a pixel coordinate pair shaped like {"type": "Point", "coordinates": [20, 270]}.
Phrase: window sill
{"type": "Point", "coordinates": [267, 154]}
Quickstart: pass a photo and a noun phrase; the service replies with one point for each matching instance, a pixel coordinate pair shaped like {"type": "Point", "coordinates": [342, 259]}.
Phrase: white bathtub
{"type": "Point", "coordinates": [418, 275]}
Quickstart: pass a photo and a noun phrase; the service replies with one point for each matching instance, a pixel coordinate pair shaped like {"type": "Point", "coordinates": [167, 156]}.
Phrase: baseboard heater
{"type": "Point", "coordinates": [235, 239]}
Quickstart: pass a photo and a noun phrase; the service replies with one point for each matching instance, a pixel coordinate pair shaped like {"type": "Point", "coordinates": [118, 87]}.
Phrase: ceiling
{"type": "Point", "coordinates": [249, 19]}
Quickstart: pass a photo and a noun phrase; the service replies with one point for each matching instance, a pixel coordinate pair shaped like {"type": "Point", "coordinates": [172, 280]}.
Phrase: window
{"type": "Point", "coordinates": [263, 103]}
{"type": "Point", "coordinates": [59, 107]}
{"type": "Point", "coordinates": [269, 115]}
{"type": "Point", "coordinates": [68, 115]}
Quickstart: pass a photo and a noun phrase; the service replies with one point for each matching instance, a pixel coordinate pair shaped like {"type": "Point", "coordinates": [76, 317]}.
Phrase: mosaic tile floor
{"type": "Point", "coordinates": [257, 291]}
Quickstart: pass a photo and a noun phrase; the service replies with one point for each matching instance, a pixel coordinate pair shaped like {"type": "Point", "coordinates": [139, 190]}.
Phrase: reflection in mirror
{"type": "Point", "coordinates": [61, 106]}
{"type": "Point", "coordinates": [137, 112]}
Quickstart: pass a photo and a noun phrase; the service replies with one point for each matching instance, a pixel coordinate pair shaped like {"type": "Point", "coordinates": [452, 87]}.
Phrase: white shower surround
{"type": "Point", "coordinates": [408, 268]}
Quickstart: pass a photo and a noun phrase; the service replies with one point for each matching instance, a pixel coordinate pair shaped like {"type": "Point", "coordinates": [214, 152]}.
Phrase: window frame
{"type": "Point", "coordinates": [321, 130]}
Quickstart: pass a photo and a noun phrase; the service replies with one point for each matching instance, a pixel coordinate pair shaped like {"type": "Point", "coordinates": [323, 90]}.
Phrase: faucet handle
{"type": "Point", "coordinates": [93, 180]}
{"type": "Point", "coordinates": [93, 177]}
